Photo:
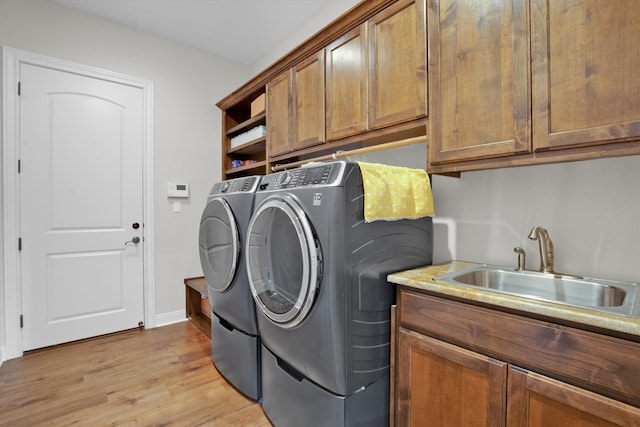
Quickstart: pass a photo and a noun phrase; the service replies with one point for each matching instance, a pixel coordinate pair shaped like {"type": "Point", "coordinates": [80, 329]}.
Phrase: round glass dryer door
{"type": "Point", "coordinates": [283, 260]}
{"type": "Point", "coordinates": [220, 244]}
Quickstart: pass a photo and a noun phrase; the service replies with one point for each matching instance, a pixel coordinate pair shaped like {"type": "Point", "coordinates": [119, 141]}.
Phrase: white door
{"type": "Point", "coordinates": [81, 204]}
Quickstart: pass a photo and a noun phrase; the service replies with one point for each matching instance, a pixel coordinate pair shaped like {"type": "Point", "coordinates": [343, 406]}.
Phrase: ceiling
{"type": "Point", "coordinates": [240, 30]}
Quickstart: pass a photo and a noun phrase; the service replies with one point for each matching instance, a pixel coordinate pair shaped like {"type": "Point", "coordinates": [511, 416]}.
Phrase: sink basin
{"type": "Point", "coordinates": [604, 295]}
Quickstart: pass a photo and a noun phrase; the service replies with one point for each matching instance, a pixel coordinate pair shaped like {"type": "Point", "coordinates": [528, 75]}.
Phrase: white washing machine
{"type": "Point", "coordinates": [234, 333]}
{"type": "Point", "coordinates": [318, 273]}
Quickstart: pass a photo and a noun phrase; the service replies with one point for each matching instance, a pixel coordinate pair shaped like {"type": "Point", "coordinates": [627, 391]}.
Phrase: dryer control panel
{"type": "Point", "coordinates": [315, 176]}
{"type": "Point", "coordinates": [324, 174]}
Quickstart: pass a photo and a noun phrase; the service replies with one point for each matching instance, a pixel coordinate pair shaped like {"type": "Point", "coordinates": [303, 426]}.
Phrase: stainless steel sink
{"type": "Point", "coordinates": [603, 295]}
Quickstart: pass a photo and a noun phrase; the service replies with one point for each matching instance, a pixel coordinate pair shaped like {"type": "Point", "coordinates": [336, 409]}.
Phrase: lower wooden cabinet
{"type": "Point", "coordinates": [536, 401]}
{"type": "Point", "coordinates": [439, 384]}
{"type": "Point", "coordinates": [449, 371]}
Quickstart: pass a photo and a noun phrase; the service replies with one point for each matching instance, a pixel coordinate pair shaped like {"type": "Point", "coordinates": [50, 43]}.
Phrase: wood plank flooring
{"type": "Point", "coordinates": [156, 377]}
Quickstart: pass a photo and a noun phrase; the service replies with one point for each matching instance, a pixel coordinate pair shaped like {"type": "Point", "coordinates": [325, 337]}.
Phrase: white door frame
{"type": "Point", "coordinates": [11, 59]}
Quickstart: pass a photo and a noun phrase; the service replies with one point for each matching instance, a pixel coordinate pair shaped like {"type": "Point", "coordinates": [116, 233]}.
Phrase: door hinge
{"type": "Point", "coordinates": [19, 88]}
{"type": "Point", "coordinates": [19, 243]}
{"type": "Point", "coordinates": [21, 321]}
{"type": "Point", "coordinates": [19, 165]}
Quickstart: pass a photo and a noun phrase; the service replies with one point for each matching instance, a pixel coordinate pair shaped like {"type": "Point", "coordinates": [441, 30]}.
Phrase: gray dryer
{"type": "Point", "coordinates": [318, 273]}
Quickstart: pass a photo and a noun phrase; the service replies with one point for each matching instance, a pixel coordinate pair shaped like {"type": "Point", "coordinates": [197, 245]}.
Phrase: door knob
{"type": "Point", "coordinates": [135, 240]}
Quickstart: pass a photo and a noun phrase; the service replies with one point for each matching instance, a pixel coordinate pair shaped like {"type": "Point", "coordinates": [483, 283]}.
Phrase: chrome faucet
{"type": "Point", "coordinates": [546, 248]}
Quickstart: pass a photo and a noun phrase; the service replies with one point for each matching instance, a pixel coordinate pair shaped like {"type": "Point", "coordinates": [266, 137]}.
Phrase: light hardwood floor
{"type": "Point", "coordinates": [162, 376]}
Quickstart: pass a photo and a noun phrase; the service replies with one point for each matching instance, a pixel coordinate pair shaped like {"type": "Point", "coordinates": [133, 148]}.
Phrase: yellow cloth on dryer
{"type": "Point", "coordinates": [394, 192]}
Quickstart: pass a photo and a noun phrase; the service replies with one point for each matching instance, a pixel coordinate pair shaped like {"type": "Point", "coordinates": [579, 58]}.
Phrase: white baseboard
{"type": "Point", "coordinates": [3, 351]}
{"type": "Point", "coordinates": [164, 319]}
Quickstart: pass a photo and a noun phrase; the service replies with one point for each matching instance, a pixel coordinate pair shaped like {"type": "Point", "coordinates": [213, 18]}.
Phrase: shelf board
{"type": "Point", "coordinates": [252, 147]}
{"type": "Point", "coordinates": [260, 119]}
{"type": "Point", "coordinates": [411, 129]}
{"type": "Point", "coordinates": [257, 165]}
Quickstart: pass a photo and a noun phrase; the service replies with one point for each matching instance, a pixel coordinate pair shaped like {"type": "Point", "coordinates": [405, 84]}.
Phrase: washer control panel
{"type": "Point", "coordinates": [237, 185]}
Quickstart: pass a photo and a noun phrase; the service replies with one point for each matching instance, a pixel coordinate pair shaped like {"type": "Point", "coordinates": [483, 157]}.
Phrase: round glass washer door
{"type": "Point", "coordinates": [220, 244]}
{"type": "Point", "coordinates": [283, 259]}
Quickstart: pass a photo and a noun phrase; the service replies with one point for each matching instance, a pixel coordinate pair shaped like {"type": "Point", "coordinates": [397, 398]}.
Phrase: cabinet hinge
{"type": "Point", "coordinates": [19, 88]}
{"type": "Point", "coordinates": [21, 321]}
{"type": "Point", "coordinates": [19, 243]}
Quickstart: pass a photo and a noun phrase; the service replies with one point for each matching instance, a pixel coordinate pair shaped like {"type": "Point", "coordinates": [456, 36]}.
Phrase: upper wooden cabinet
{"type": "Point", "coordinates": [295, 107]}
{"type": "Point", "coordinates": [397, 64]}
{"type": "Point", "coordinates": [377, 73]}
{"type": "Point", "coordinates": [279, 104]}
{"type": "Point", "coordinates": [358, 82]}
{"type": "Point", "coordinates": [509, 83]}
{"type": "Point", "coordinates": [308, 99]}
{"type": "Point", "coordinates": [525, 82]}
{"type": "Point", "coordinates": [586, 72]}
{"type": "Point", "coordinates": [346, 87]}
{"type": "Point", "coordinates": [478, 79]}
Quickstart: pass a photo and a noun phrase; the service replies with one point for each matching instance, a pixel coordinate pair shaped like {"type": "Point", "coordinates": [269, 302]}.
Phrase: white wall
{"type": "Point", "coordinates": [590, 208]}
{"type": "Point", "coordinates": [187, 84]}
{"type": "Point", "coordinates": [332, 11]}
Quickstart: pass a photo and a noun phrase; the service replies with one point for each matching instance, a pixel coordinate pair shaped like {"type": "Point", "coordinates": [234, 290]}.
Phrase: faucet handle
{"type": "Point", "coordinates": [522, 257]}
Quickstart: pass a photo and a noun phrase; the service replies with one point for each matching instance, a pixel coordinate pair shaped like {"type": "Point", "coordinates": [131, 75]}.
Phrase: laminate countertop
{"type": "Point", "coordinates": [422, 279]}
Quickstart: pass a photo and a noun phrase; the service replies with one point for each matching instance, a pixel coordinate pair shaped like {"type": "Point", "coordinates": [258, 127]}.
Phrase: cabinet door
{"type": "Point", "coordinates": [586, 72]}
{"type": "Point", "coordinates": [397, 64]}
{"type": "Point", "coordinates": [478, 79]}
{"type": "Point", "coordinates": [279, 115]}
{"type": "Point", "coordinates": [308, 99]}
{"type": "Point", "coordinates": [439, 384]}
{"type": "Point", "coordinates": [346, 85]}
{"type": "Point", "coordinates": [537, 401]}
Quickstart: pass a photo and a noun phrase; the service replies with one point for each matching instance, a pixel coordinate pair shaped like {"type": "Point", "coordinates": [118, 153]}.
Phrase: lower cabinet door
{"type": "Point", "coordinates": [536, 401]}
{"type": "Point", "coordinates": [439, 384]}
